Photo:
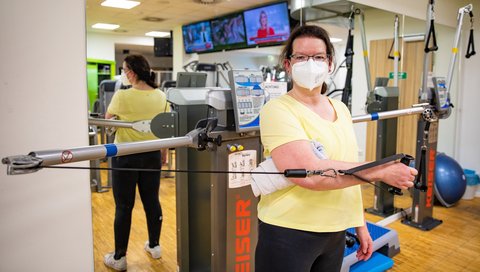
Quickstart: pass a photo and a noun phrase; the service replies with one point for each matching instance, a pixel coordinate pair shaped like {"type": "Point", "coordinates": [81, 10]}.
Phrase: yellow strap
{"type": "Point", "coordinates": [396, 54]}
{"type": "Point", "coordinates": [365, 53]}
{"type": "Point", "coordinates": [455, 50]}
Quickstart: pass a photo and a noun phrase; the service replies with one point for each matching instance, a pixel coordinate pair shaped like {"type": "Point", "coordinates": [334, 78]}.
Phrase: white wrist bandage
{"type": "Point", "coordinates": [264, 184]}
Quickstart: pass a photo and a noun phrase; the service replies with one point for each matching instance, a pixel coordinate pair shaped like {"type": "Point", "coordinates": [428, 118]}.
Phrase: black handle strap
{"type": "Point", "coordinates": [405, 159]}
{"type": "Point", "coordinates": [431, 34]}
{"type": "Point", "coordinates": [421, 179]}
{"type": "Point", "coordinates": [471, 40]}
{"type": "Point", "coordinates": [372, 164]}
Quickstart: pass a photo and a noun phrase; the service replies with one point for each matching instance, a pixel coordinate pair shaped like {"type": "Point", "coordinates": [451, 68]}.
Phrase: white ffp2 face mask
{"type": "Point", "coordinates": [124, 78]}
{"type": "Point", "coordinates": [310, 74]}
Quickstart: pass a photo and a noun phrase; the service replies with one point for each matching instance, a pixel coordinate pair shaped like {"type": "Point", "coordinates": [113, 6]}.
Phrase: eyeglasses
{"type": "Point", "coordinates": [317, 57]}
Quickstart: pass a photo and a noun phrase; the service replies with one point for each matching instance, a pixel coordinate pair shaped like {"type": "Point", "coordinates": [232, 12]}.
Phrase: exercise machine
{"type": "Point", "coordinates": [215, 206]}
{"type": "Point", "coordinates": [435, 92]}
{"type": "Point", "coordinates": [384, 98]}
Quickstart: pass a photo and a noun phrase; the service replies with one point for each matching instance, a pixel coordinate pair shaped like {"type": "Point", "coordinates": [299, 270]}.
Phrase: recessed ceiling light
{"type": "Point", "coordinates": [157, 34]}
{"type": "Point", "coordinates": [152, 19]}
{"type": "Point", "coordinates": [335, 40]}
{"type": "Point", "coordinates": [105, 26]}
{"type": "Point", "coordinates": [124, 4]}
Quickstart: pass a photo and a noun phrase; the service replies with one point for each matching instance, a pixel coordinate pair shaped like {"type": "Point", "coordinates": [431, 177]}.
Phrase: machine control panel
{"type": "Point", "coordinates": [442, 100]}
{"type": "Point", "coordinates": [248, 96]}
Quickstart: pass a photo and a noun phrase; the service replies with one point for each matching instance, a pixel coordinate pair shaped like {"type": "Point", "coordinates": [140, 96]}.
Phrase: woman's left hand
{"type": "Point", "coordinates": [365, 250]}
{"type": "Point", "coordinates": [164, 152]}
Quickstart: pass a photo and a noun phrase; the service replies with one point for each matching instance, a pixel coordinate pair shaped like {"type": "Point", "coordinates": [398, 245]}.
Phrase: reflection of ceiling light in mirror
{"type": "Point", "coordinates": [335, 40]}
{"type": "Point", "coordinates": [157, 34]}
{"type": "Point", "coordinates": [124, 4]}
{"type": "Point", "coordinates": [105, 26]}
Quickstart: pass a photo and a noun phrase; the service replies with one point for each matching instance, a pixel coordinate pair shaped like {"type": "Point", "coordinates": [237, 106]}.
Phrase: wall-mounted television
{"type": "Point", "coordinates": [197, 37]}
{"type": "Point", "coordinates": [228, 32]}
{"type": "Point", "coordinates": [267, 25]}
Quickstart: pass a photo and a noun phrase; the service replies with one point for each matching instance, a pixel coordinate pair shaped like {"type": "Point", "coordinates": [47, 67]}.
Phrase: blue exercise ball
{"type": "Point", "coordinates": [450, 181]}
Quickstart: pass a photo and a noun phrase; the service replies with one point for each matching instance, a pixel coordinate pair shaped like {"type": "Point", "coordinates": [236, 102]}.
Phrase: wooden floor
{"type": "Point", "coordinates": [452, 246]}
{"type": "Point", "coordinates": [138, 260]}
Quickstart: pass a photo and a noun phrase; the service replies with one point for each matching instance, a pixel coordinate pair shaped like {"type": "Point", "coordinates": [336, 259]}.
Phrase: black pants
{"type": "Point", "coordinates": [124, 187]}
{"type": "Point", "coordinates": [290, 250]}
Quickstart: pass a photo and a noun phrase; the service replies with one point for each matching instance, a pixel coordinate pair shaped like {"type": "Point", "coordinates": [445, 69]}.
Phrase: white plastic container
{"type": "Point", "coordinates": [470, 192]}
{"type": "Point", "coordinates": [473, 187]}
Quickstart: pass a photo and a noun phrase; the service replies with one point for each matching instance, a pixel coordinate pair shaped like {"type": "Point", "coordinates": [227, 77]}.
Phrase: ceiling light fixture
{"type": "Point", "coordinates": [207, 2]}
{"type": "Point", "coordinates": [123, 4]}
{"type": "Point", "coordinates": [157, 34]}
{"type": "Point", "coordinates": [105, 26]}
{"type": "Point", "coordinates": [152, 19]}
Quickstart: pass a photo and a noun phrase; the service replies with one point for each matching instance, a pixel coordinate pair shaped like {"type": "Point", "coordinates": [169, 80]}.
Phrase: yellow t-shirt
{"type": "Point", "coordinates": [136, 105]}
{"type": "Point", "coordinates": [283, 120]}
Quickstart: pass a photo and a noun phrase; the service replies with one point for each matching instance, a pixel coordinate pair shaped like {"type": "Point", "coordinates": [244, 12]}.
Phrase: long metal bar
{"type": "Point", "coordinates": [387, 114]}
{"type": "Point", "coordinates": [21, 164]}
{"type": "Point", "coordinates": [52, 157]}
{"type": "Point", "coordinates": [109, 123]}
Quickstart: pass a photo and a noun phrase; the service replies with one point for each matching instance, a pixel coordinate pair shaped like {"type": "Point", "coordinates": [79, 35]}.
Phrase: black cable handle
{"type": "Point", "coordinates": [471, 40]}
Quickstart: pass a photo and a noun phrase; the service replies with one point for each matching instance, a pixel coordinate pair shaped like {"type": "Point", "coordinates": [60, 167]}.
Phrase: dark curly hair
{"type": "Point", "coordinates": [139, 65]}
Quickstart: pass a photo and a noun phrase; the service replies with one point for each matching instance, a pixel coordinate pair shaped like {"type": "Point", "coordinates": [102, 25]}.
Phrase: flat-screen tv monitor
{"type": "Point", "coordinates": [267, 25]}
{"type": "Point", "coordinates": [191, 79]}
{"type": "Point", "coordinates": [228, 32]}
{"type": "Point", "coordinates": [197, 37]}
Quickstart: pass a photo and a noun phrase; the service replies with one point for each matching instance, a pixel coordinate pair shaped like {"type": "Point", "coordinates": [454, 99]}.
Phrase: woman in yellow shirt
{"type": "Point", "coordinates": [302, 227]}
{"type": "Point", "coordinates": [142, 101]}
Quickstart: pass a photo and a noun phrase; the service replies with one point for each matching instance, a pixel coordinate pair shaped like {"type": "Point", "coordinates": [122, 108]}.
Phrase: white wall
{"type": "Point", "coordinates": [102, 46]}
{"type": "Point", "coordinates": [46, 220]}
{"type": "Point", "coordinates": [467, 145]}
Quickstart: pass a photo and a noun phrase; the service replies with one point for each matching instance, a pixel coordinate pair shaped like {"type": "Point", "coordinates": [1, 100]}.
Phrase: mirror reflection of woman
{"type": "Point", "coordinates": [142, 101]}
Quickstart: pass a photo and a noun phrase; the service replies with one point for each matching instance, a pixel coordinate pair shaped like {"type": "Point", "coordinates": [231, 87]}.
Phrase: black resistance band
{"type": "Point", "coordinates": [293, 173]}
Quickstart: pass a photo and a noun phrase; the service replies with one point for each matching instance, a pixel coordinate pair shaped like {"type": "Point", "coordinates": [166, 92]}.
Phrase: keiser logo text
{"type": "Point", "coordinates": [242, 235]}
{"type": "Point", "coordinates": [430, 177]}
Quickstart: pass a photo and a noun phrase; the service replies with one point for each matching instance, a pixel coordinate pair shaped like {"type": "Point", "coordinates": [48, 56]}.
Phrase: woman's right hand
{"type": "Point", "coordinates": [397, 174]}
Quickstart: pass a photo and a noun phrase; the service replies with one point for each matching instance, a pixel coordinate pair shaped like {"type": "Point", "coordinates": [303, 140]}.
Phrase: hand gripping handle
{"type": "Point", "coordinates": [406, 159]}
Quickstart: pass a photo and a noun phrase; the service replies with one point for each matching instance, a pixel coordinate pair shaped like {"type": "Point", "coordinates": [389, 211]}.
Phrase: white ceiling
{"type": "Point", "coordinates": [171, 12]}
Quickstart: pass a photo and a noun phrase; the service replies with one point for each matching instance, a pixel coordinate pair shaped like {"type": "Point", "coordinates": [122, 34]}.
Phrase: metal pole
{"type": "Point", "coordinates": [395, 53]}
{"type": "Point", "coordinates": [461, 12]}
{"type": "Point", "coordinates": [387, 114]}
{"type": "Point", "coordinates": [94, 152]}
{"type": "Point", "coordinates": [21, 164]}
{"type": "Point", "coordinates": [109, 123]}
{"type": "Point", "coordinates": [365, 50]}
